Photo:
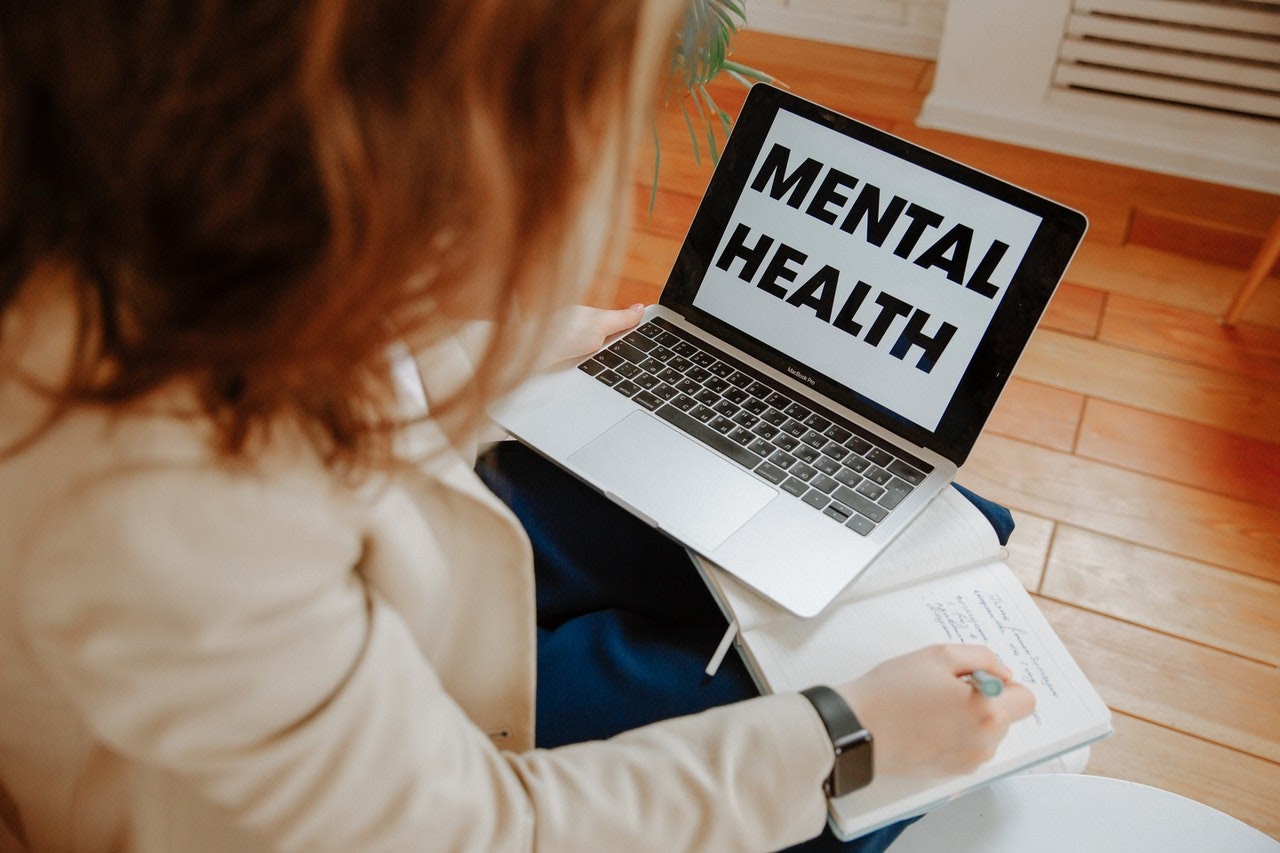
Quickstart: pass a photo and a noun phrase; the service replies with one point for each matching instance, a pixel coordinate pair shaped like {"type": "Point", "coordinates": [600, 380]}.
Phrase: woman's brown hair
{"type": "Point", "coordinates": [258, 198]}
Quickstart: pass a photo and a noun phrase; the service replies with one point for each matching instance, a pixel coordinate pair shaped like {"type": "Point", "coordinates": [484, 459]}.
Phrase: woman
{"type": "Point", "coordinates": [254, 593]}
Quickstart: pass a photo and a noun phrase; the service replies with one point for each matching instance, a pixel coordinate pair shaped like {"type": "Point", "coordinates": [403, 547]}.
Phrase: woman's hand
{"type": "Point", "coordinates": [581, 330]}
{"type": "Point", "coordinates": [926, 720]}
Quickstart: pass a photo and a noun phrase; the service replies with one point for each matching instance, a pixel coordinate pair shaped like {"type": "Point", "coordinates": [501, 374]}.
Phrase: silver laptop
{"type": "Point", "coordinates": [843, 314]}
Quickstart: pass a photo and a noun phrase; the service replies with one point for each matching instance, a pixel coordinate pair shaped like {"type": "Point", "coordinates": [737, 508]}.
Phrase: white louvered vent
{"type": "Point", "coordinates": [1221, 56]}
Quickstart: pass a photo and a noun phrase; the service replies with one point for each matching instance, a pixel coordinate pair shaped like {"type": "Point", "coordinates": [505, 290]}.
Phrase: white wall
{"type": "Point", "coordinates": [906, 27]}
{"type": "Point", "coordinates": [996, 61]}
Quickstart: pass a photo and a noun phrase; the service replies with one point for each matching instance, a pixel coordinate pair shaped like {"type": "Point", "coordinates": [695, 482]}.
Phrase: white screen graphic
{"type": "Point", "coordinates": [869, 269]}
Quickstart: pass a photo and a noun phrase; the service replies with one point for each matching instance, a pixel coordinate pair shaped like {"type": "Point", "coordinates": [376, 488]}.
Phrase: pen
{"type": "Point", "coordinates": [985, 683]}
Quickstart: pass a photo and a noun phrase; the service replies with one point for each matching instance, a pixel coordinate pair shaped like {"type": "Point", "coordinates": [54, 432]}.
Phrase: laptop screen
{"type": "Point", "coordinates": [899, 283]}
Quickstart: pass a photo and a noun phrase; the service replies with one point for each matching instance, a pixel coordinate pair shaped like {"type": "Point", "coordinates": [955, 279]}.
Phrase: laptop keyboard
{"type": "Point", "coordinates": [834, 466]}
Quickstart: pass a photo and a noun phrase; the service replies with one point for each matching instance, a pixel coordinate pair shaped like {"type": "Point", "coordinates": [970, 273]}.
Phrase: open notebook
{"type": "Point", "coordinates": [942, 581]}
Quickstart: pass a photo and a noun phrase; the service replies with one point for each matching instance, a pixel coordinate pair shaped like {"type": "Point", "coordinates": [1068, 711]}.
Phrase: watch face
{"type": "Point", "coordinates": [854, 767]}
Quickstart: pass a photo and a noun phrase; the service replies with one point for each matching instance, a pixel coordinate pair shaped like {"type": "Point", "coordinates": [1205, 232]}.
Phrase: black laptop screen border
{"type": "Point", "coordinates": [1024, 302]}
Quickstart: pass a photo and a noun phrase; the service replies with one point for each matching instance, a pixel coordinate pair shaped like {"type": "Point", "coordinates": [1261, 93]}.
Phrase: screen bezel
{"type": "Point", "coordinates": [1024, 302]}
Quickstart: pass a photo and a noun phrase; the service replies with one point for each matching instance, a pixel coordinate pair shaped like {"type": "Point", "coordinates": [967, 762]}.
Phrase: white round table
{"type": "Point", "coordinates": [1070, 813]}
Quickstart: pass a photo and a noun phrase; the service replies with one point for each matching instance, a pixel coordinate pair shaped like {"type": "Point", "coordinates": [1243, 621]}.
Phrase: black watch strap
{"type": "Point", "coordinates": [854, 767]}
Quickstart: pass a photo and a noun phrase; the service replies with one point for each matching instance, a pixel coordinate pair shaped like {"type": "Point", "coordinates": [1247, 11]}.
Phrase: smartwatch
{"type": "Point", "coordinates": [851, 741]}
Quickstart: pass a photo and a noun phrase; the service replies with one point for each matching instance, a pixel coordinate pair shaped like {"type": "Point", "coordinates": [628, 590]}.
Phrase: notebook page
{"type": "Point", "coordinates": [983, 604]}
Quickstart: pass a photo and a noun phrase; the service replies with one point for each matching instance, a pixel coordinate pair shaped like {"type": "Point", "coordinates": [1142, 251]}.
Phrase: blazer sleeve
{"type": "Point", "coordinates": [217, 627]}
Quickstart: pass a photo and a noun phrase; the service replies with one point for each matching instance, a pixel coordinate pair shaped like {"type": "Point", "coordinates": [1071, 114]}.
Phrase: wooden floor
{"type": "Point", "coordinates": [1138, 442]}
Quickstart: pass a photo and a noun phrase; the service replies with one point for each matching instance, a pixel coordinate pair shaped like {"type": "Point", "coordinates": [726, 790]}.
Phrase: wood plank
{"type": "Point", "coordinates": [1171, 279]}
{"type": "Point", "coordinates": [1233, 782]}
{"type": "Point", "coordinates": [800, 63]}
{"type": "Point", "coordinates": [1075, 310]}
{"type": "Point", "coordinates": [1195, 237]}
{"type": "Point", "coordinates": [1161, 515]}
{"type": "Point", "coordinates": [1029, 548]}
{"type": "Point", "coordinates": [1165, 330]}
{"type": "Point", "coordinates": [1203, 395]}
{"type": "Point", "coordinates": [1049, 416]}
{"type": "Point", "coordinates": [1159, 445]}
{"type": "Point", "coordinates": [1203, 692]}
{"type": "Point", "coordinates": [1167, 593]}
{"type": "Point", "coordinates": [649, 257]}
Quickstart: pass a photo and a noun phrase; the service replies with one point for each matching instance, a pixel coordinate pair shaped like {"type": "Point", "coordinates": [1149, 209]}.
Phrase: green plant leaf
{"type": "Point", "coordinates": [704, 43]}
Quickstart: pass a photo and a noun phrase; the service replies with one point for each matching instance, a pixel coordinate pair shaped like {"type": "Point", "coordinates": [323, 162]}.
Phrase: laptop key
{"type": "Point", "coordinates": [894, 493]}
{"type": "Point", "coordinates": [722, 425]}
{"type": "Point", "coordinates": [879, 456]}
{"type": "Point", "coordinates": [816, 499]}
{"type": "Point", "coordinates": [765, 430]}
{"type": "Point", "coordinates": [860, 524]}
{"type": "Point", "coordinates": [661, 353]}
{"type": "Point", "coordinates": [838, 511]}
{"type": "Point", "coordinates": [649, 401]}
{"type": "Point", "coordinates": [795, 487]}
{"type": "Point", "coordinates": [771, 472]}
{"type": "Point", "coordinates": [684, 402]}
{"type": "Point", "coordinates": [717, 384]}
{"type": "Point", "coordinates": [877, 475]}
{"type": "Point", "coordinates": [847, 477]}
{"type": "Point", "coordinates": [824, 484]}
{"type": "Point", "coordinates": [760, 446]}
{"type": "Point", "coordinates": [641, 342]}
{"type": "Point", "coordinates": [627, 351]}
{"type": "Point", "coordinates": [609, 359]}
{"type": "Point", "coordinates": [591, 367]}
{"type": "Point", "coordinates": [817, 422]}
{"type": "Point", "coordinates": [870, 509]}
{"type": "Point", "coordinates": [608, 377]}
{"type": "Point", "coordinates": [782, 459]}
{"type": "Point", "coordinates": [870, 490]}
{"type": "Point", "coordinates": [805, 453]}
{"type": "Point", "coordinates": [836, 452]}
{"type": "Point", "coordinates": [701, 413]}
{"type": "Point", "coordinates": [786, 442]}
{"type": "Point", "coordinates": [826, 465]}
{"type": "Point", "coordinates": [794, 427]}
{"type": "Point", "coordinates": [683, 348]}
{"type": "Point", "coordinates": [837, 434]}
{"type": "Point", "coordinates": [814, 439]}
{"type": "Point", "coordinates": [778, 401]}
{"type": "Point", "coordinates": [708, 436]}
{"type": "Point", "coordinates": [906, 472]}
{"type": "Point", "coordinates": [802, 471]}
{"type": "Point", "coordinates": [626, 388]}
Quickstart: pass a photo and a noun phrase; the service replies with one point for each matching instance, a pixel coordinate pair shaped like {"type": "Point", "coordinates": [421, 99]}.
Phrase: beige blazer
{"type": "Point", "coordinates": [195, 657]}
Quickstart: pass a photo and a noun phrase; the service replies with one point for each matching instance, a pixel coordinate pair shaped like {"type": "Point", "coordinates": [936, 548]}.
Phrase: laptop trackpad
{"type": "Point", "coordinates": [686, 489]}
